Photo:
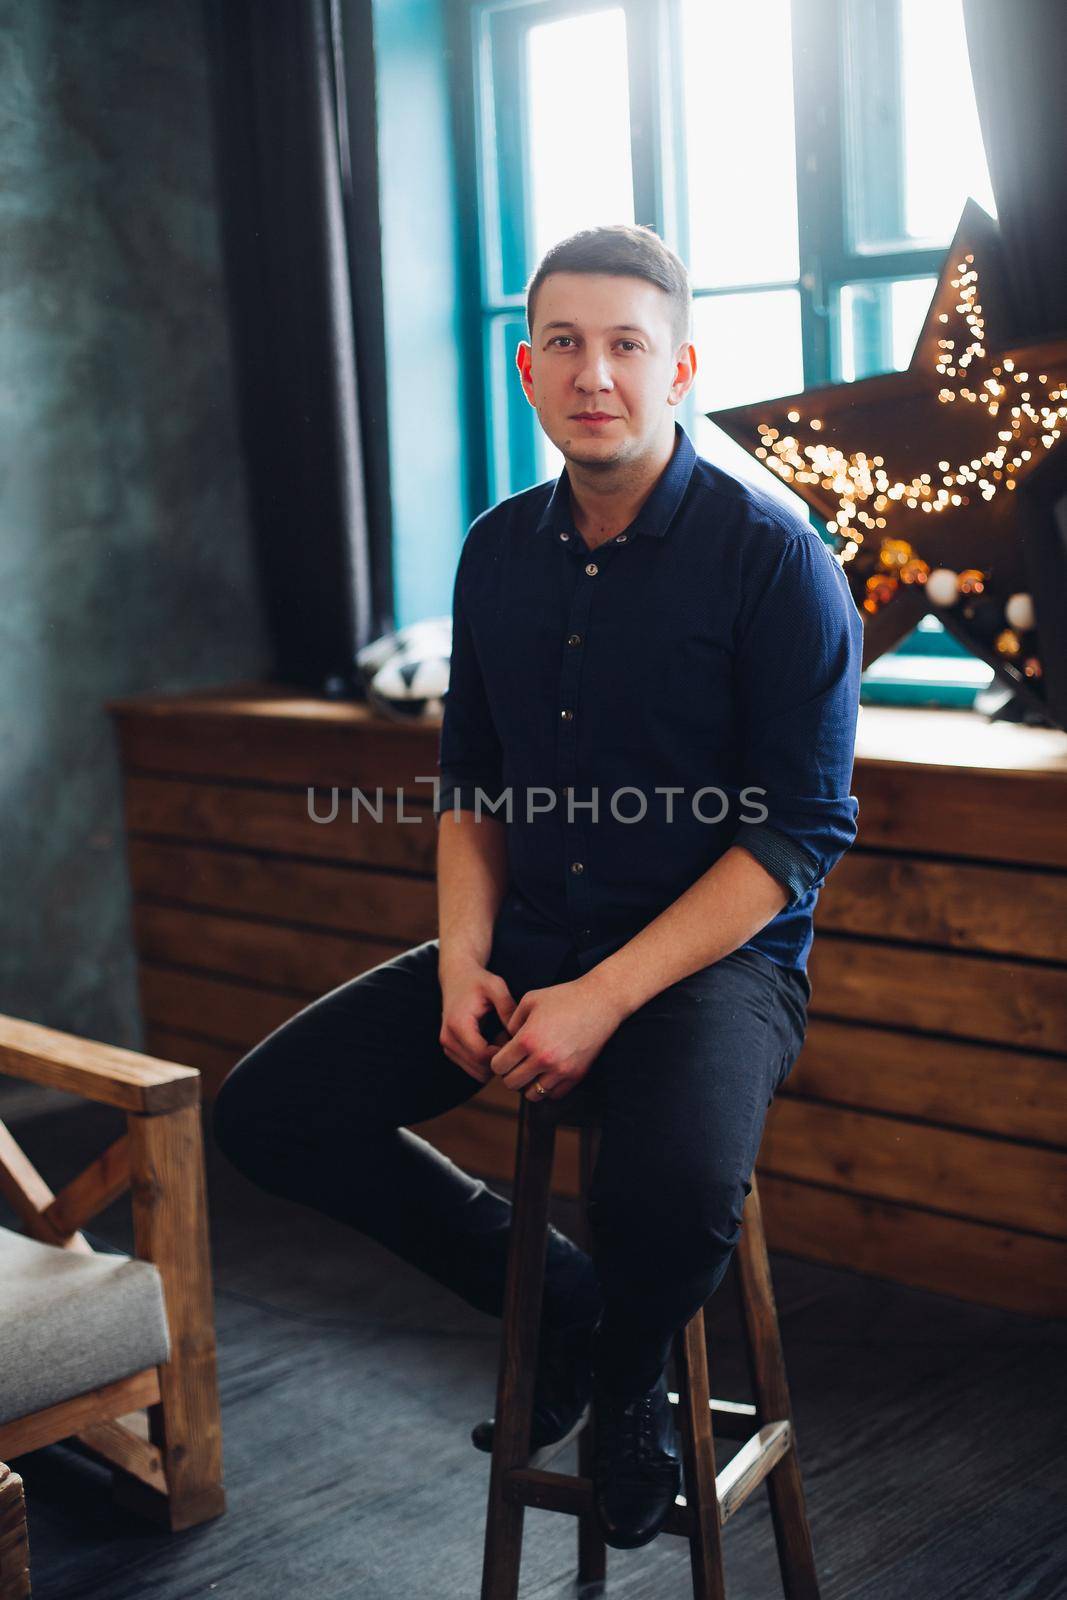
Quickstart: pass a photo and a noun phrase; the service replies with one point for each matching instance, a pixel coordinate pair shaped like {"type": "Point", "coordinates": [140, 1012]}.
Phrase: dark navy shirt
{"type": "Point", "coordinates": [711, 650]}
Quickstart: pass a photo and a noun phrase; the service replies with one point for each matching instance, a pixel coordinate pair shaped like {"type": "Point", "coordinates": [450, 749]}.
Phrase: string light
{"type": "Point", "coordinates": [1035, 418]}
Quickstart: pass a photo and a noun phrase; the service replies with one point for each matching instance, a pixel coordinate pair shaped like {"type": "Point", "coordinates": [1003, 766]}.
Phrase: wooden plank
{"type": "Point", "coordinates": [990, 816]}
{"type": "Point", "coordinates": [948, 1081]}
{"type": "Point", "coordinates": [226, 1011]}
{"type": "Point", "coordinates": [237, 1014]}
{"type": "Point", "coordinates": [273, 953]}
{"type": "Point", "coordinates": [935, 1169]}
{"type": "Point", "coordinates": [91, 1191]}
{"type": "Point", "coordinates": [280, 820]}
{"type": "Point", "coordinates": [41, 1428]}
{"type": "Point", "coordinates": [170, 1229]}
{"type": "Point", "coordinates": [971, 1260]}
{"type": "Point", "coordinates": [29, 1196]}
{"type": "Point", "coordinates": [960, 905]}
{"type": "Point", "coordinates": [213, 1061]}
{"type": "Point", "coordinates": [987, 998]}
{"type": "Point", "coordinates": [377, 905]}
{"type": "Point", "coordinates": [104, 1073]}
{"type": "Point", "coordinates": [326, 743]}
{"type": "Point", "coordinates": [120, 1446]}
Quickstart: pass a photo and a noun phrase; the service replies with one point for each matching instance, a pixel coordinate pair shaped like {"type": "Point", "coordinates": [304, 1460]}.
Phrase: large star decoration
{"type": "Point", "coordinates": [915, 472]}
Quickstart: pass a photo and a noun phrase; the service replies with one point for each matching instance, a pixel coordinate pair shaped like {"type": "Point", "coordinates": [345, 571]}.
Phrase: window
{"type": "Point", "coordinates": [850, 140]}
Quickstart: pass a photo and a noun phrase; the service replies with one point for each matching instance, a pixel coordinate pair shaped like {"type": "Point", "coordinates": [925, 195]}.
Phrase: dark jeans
{"type": "Point", "coordinates": [317, 1112]}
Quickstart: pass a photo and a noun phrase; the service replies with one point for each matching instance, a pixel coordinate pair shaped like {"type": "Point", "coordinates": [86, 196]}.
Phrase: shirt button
{"type": "Point", "coordinates": [622, 538]}
{"type": "Point", "coordinates": [564, 535]}
{"type": "Point", "coordinates": [577, 866]}
{"type": "Point", "coordinates": [568, 716]}
{"type": "Point", "coordinates": [574, 638]}
{"type": "Point", "coordinates": [586, 933]}
{"type": "Point", "coordinates": [592, 569]}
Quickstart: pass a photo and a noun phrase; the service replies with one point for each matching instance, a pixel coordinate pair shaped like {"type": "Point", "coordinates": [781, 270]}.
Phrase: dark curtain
{"type": "Point", "coordinates": [1018, 53]}
{"type": "Point", "coordinates": [297, 161]}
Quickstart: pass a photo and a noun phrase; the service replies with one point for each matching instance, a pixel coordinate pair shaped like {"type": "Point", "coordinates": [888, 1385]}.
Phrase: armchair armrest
{"type": "Point", "coordinates": [101, 1072]}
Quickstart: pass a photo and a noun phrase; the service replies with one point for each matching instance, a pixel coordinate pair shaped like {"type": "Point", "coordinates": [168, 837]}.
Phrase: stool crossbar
{"type": "Point", "coordinates": [768, 1453]}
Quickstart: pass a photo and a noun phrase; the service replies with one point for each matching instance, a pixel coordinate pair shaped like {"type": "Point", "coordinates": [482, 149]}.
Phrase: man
{"type": "Point", "coordinates": [645, 764]}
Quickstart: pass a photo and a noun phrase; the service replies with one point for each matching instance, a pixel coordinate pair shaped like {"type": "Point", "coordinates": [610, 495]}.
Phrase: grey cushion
{"type": "Point", "coordinates": [71, 1322]}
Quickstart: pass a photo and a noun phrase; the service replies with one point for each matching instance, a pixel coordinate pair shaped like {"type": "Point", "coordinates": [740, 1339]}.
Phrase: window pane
{"type": "Point", "coordinates": [944, 158]}
{"type": "Point", "coordinates": [914, 148]}
{"type": "Point", "coordinates": [580, 171]}
{"type": "Point", "coordinates": [513, 460]}
{"type": "Point", "coordinates": [878, 324]}
{"type": "Point", "coordinates": [748, 347]}
{"type": "Point", "coordinates": [739, 142]}
{"type": "Point", "coordinates": [550, 462]}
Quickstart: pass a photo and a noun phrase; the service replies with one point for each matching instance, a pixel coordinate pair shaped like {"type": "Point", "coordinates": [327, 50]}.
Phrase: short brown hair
{"type": "Point", "coordinates": [622, 251]}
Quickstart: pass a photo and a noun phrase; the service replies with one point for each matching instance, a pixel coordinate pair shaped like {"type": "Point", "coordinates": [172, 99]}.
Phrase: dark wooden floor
{"type": "Point", "coordinates": [931, 1435]}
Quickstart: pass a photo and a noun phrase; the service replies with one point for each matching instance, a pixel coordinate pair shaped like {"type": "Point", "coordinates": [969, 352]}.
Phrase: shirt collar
{"type": "Point", "coordinates": [658, 511]}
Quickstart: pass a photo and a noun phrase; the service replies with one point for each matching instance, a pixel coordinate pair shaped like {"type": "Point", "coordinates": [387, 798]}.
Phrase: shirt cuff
{"type": "Point", "coordinates": [794, 867]}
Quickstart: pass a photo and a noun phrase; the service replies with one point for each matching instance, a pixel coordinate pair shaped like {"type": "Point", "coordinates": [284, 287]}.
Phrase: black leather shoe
{"type": "Point", "coordinates": [637, 1467]}
{"type": "Point", "coordinates": [562, 1389]}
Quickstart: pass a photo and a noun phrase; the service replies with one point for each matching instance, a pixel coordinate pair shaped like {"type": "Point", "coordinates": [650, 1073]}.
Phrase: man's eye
{"type": "Point", "coordinates": [631, 342]}
{"type": "Point", "coordinates": [560, 336]}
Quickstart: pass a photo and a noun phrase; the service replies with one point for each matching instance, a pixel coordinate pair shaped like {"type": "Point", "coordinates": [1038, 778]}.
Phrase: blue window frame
{"type": "Point", "coordinates": [842, 142]}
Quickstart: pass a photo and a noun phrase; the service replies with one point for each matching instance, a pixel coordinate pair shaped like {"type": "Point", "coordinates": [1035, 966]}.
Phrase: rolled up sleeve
{"type": "Point", "coordinates": [798, 665]}
{"type": "Point", "coordinates": [469, 756]}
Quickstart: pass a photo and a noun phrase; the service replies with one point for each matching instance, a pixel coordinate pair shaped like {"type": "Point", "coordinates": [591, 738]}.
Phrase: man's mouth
{"type": "Point", "coordinates": [595, 416]}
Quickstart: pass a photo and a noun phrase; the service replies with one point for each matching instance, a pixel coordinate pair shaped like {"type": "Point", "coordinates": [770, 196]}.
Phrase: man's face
{"type": "Point", "coordinates": [602, 368]}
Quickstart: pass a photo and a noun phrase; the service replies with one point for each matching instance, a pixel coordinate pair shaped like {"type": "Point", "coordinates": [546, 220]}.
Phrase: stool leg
{"type": "Point", "coordinates": [527, 1248]}
{"type": "Point", "coordinates": [767, 1368]}
{"type": "Point", "coordinates": [592, 1551]}
{"type": "Point", "coordinates": [698, 1456]}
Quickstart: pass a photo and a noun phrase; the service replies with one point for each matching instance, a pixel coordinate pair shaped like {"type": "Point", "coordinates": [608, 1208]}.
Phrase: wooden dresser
{"type": "Point", "coordinates": [922, 1135]}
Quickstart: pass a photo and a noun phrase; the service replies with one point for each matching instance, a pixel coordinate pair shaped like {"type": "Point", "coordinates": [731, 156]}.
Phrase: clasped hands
{"type": "Point", "coordinates": [551, 1036]}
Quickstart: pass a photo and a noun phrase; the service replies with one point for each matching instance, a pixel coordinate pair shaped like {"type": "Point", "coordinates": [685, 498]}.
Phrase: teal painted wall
{"type": "Point", "coordinates": [422, 314]}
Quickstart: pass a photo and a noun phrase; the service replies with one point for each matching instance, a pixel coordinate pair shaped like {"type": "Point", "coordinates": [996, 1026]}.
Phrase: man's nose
{"type": "Point", "coordinates": [595, 373]}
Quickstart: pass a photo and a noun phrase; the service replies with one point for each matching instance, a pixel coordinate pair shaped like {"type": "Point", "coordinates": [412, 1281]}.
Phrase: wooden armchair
{"type": "Point", "coordinates": [112, 1352]}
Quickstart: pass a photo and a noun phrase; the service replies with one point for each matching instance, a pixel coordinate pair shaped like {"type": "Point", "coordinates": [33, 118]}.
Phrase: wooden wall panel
{"type": "Point", "coordinates": [955, 904]}
{"type": "Point", "coordinates": [262, 952]}
{"type": "Point", "coordinates": [988, 1265]}
{"type": "Point", "coordinates": [370, 903]}
{"type": "Point", "coordinates": [957, 1083]}
{"type": "Point", "coordinates": [984, 998]}
{"type": "Point", "coordinates": [991, 816]}
{"type": "Point", "coordinates": [922, 1134]}
{"type": "Point", "coordinates": [279, 821]}
{"type": "Point", "coordinates": [934, 1169]}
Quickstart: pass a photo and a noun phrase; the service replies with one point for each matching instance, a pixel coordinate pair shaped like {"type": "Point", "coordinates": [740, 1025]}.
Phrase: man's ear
{"type": "Point", "coordinates": [685, 371]}
{"type": "Point", "coordinates": [523, 359]}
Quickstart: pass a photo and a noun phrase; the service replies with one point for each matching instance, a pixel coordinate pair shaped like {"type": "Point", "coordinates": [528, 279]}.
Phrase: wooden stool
{"type": "Point", "coordinates": [769, 1451]}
